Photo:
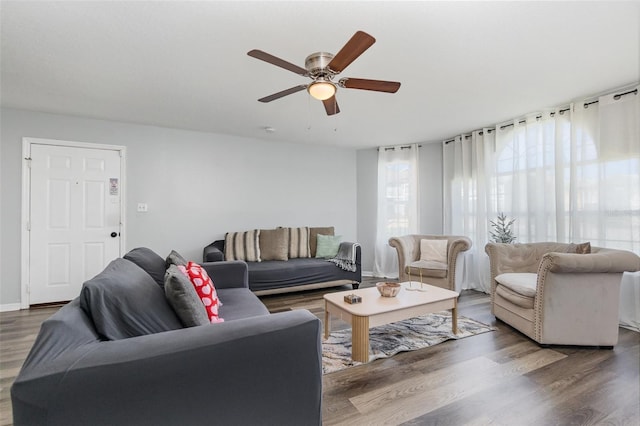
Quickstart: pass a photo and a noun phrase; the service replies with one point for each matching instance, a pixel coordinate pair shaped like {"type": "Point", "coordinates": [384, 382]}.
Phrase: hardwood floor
{"type": "Point", "coordinates": [497, 378]}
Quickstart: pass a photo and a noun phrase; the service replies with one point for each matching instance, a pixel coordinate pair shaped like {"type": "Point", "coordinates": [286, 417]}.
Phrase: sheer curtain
{"type": "Point", "coordinates": [531, 184]}
{"type": "Point", "coordinates": [397, 203]}
{"type": "Point", "coordinates": [605, 196]}
{"type": "Point", "coordinates": [469, 163]}
{"type": "Point", "coordinates": [568, 174]}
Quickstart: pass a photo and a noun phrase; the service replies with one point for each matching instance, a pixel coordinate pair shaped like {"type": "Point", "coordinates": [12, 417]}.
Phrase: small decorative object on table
{"type": "Point", "coordinates": [352, 298]}
{"type": "Point", "coordinates": [410, 288]}
{"type": "Point", "coordinates": [388, 289]}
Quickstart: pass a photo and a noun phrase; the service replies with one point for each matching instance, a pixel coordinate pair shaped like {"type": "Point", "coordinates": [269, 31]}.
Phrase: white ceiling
{"type": "Point", "coordinates": [462, 65]}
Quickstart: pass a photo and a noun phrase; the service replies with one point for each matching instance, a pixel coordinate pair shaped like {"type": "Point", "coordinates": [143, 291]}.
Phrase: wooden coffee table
{"type": "Point", "coordinates": [375, 310]}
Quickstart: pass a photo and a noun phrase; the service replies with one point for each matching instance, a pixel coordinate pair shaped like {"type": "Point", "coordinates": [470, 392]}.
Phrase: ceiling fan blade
{"type": "Point", "coordinates": [283, 93]}
{"type": "Point", "coordinates": [365, 84]}
{"type": "Point", "coordinates": [264, 56]}
{"type": "Point", "coordinates": [355, 47]}
{"type": "Point", "coordinates": [331, 105]}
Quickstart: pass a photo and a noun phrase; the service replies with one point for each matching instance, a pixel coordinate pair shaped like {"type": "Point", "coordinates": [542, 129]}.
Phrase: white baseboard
{"type": "Point", "coordinates": [10, 307]}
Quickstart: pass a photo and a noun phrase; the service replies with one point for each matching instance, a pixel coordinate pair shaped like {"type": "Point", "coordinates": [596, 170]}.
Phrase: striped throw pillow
{"type": "Point", "coordinates": [298, 242]}
{"type": "Point", "coordinates": [242, 246]}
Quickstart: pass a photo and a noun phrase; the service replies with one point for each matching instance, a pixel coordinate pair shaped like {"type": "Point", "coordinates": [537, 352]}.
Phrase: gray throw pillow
{"type": "Point", "coordinates": [150, 261]}
{"type": "Point", "coordinates": [175, 258]}
{"type": "Point", "coordinates": [184, 299]}
{"type": "Point", "coordinates": [124, 301]}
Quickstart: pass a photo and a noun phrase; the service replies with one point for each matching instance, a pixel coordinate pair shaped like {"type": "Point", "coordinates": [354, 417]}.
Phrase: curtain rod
{"type": "Point", "coordinates": [391, 148]}
{"type": "Point", "coordinates": [562, 111]}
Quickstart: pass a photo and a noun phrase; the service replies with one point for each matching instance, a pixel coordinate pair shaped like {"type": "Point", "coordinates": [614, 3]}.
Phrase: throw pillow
{"type": "Point", "coordinates": [124, 301]}
{"type": "Point", "coordinates": [205, 289]}
{"type": "Point", "coordinates": [175, 258]}
{"type": "Point", "coordinates": [313, 237]}
{"type": "Point", "coordinates": [298, 242]}
{"type": "Point", "coordinates": [584, 248]}
{"type": "Point", "coordinates": [433, 250]}
{"type": "Point", "coordinates": [150, 261]}
{"type": "Point", "coordinates": [184, 299]}
{"type": "Point", "coordinates": [328, 245]}
{"type": "Point", "coordinates": [242, 246]}
{"type": "Point", "coordinates": [274, 244]}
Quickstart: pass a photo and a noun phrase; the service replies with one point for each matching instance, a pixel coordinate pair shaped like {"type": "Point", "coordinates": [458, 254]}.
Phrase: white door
{"type": "Point", "coordinates": [74, 218]}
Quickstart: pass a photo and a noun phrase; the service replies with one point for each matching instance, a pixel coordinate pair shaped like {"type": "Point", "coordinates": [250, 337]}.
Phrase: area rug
{"type": "Point", "coordinates": [388, 340]}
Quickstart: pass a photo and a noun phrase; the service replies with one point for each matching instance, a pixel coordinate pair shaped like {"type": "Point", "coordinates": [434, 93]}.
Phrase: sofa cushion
{"type": "Point", "coordinates": [242, 246]}
{"type": "Point", "coordinates": [175, 258]}
{"type": "Point", "coordinates": [428, 268]}
{"type": "Point", "coordinates": [517, 299]}
{"type": "Point", "coordinates": [239, 303]}
{"type": "Point", "coordinates": [433, 250]}
{"type": "Point", "coordinates": [124, 301]}
{"type": "Point", "coordinates": [313, 237]}
{"type": "Point", "coordinates": [328, 245]}
{"type": "Point", "coordinates": [150, 261]}
{"type": "Point", "coordinates": [523, 283]}
{"type": "Point", "coordinates": [274, 244]}
{"type": "Point", "coordinates": [184, 299]}
{"type": "Point", "coordinates": [205, 290]}
{"type": "Point", "coordinates": [274, 274]}
{"type": "Point", "coordinates": [298, 242]}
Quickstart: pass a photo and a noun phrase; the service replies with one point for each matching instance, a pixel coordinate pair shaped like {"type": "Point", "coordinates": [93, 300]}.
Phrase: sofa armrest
{"type": "Point", "coordinates": [228, 274]}
{"type": "Point", "coordinates": [213, 252]}
{"type": "Point", "coordinates": [408, 250]}
{"type": "Point", "coordinates": [357, 258]}
{"type": "Point", "coordinates": [603, 261]}
{"type": "Point", "coordinates": [259, 370]}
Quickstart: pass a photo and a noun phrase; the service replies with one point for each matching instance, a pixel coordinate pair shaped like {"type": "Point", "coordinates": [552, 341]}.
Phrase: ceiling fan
{"type": "Point", "coordinates": [322, 67]}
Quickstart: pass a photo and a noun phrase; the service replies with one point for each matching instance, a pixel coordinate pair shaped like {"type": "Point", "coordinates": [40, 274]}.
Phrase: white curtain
{"type": "Point", "coordinates": [532, 156]}
{"type": "Point", "coordinates": [568, 175]}
{"type": "Point", "coordinates": [469, 163]}
{"type": "Point", "coordinates": [605, 195]}
{"type": "Point", "coordinates": [397, 204]}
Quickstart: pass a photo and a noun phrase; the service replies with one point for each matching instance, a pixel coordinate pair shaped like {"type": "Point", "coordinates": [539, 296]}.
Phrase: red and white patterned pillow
{"type": "Point", "coordinates": [205, 289]}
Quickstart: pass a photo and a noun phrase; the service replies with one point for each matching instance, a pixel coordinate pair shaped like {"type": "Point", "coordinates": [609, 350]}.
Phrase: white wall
{"type": "Point", "coordinates": [430, 207]}
{"type": "Point", "coordinates": [197, 185]}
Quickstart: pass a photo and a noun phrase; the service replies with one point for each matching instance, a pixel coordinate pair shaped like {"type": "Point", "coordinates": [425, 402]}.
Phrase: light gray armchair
{"type": "Point", "coordinates": [435, 273]}
{"type": "Point", "coordinates": [555, 297]}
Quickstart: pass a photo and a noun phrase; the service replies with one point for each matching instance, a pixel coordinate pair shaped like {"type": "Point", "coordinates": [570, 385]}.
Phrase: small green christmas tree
{"type": "Point", "coordinates": [502, 229]}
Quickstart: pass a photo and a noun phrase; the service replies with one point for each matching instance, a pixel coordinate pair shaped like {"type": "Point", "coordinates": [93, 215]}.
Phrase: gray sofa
{"type": "Point", "coordinates": [119, 355]}
{"type": "Point", "coordinates": [280, 276]}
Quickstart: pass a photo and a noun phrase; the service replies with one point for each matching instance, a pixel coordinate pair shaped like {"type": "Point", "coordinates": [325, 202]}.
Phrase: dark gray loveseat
{"type": "Point", "coordinates": [279, 276]}
{"type": "Point", "coordinates": [118, 355]}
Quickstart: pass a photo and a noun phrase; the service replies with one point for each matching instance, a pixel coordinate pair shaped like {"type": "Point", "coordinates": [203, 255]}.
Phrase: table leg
{"type": "Point", "coordinates": [360, 338]}
{"type": "Point", "coordinates": [327, 325]}
{"type": "Point", "coordinates": [454, 317]}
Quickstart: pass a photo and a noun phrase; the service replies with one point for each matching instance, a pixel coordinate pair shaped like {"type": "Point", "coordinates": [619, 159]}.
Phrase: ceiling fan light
{"type": "Point", "coordinates": [322, 90]}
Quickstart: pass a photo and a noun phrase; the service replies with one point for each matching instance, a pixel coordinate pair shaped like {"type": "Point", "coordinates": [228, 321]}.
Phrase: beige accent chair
{"type": "Point", "coordinates": [435, 273]}
{"type": "Point", "coordinates": [559, 298]}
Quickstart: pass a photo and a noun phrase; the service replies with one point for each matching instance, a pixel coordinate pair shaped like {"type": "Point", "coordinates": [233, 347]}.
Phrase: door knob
{"type": "Point", "coordinates": [114, 234]}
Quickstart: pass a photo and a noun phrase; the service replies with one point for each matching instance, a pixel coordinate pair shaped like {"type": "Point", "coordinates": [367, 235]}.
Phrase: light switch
{"type": "Point", "coordinates": [143, 207]}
